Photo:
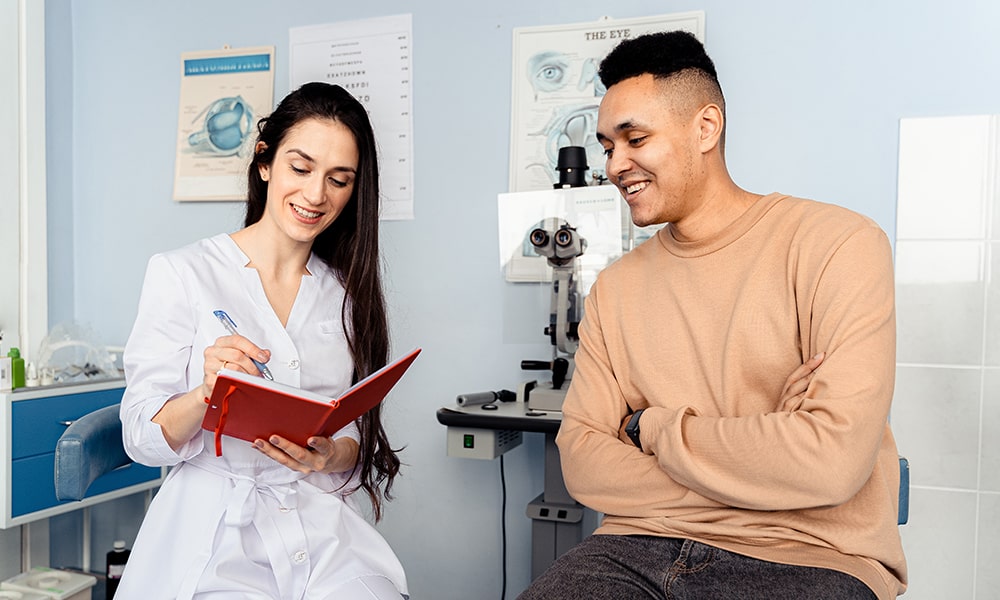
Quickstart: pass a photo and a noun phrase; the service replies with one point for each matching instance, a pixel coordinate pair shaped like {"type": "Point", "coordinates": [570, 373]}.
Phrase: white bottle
{"type": "Point", "coordinates": [31, 375]}
{"type": "Point", "coordinates": [6, 376]}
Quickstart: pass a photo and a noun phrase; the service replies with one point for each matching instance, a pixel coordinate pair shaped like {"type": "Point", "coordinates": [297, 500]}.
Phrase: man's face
{"type": "Point", "coordinates": [651, 149]}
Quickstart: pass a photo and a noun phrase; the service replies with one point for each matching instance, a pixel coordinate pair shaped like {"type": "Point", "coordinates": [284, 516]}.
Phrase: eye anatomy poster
{"type": "Point", "coordinates": [556, 91]}
{"type": "Point", "coordinates": [224, 93]}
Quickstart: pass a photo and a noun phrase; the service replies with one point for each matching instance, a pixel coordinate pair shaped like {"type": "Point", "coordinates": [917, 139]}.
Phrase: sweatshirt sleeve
{"type": "Point", "coordinates": [818, 453]}
{"type": "Point", "coordinates": [156, 361]}
{"type": "Point", "coordinates": [600, 470]}
{"type": "Point", "coordinates": [822, 451]}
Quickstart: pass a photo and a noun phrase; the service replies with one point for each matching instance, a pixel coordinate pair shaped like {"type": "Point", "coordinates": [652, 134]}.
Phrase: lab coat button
{"type": "Point", "coordinates": [299, 556]}
{"type": "Point", "coordinates": [293, 364]}
{"type": "Point", "coordinates": [283, 509]}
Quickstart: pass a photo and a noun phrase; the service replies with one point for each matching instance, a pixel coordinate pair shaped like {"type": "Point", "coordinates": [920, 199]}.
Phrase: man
{"type": "Point", "coordinates": [714, 480]}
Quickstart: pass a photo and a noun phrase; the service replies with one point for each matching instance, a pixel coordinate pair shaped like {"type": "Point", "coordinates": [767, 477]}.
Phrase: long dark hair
{"type": "Point", "coordinates": [350, 246]}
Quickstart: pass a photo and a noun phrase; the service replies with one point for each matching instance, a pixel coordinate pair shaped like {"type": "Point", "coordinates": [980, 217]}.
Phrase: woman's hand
{"type": "Point", "coordinates": [796, 384]}
{"type": "Point", "coordinates": [180, 419]}
{"type": "Point", "coordinates": [323, 455]}
{"type": "Point", "coordinates": [231, 352]}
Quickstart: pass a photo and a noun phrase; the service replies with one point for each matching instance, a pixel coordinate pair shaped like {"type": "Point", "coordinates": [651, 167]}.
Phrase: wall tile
{"type": "Point", "coordinates": [940, 302]}
{"type": "Point", "coordinates": [935, 419]}
{"type": "Point", "coordinates": [993, 203]}
{"type": "Point", "coordinates": [946, 411]}
{"type": "Point", "coordinates": [988, 550]}
{"type": "Point", "coordinates": [939, 543]}
{"type": "Point", "coordinates": [942, 192]}
{"type": "Point", "coordinates": [989, 466]}
{"type": "Point", "coordinates": [992, 330]}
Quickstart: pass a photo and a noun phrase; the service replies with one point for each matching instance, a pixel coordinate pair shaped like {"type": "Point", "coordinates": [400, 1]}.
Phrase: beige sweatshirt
{"type": "Point", "coordinates": [703, 335]}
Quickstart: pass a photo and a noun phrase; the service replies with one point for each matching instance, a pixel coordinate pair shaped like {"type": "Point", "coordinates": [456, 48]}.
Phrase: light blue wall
{"type": "Point", "coordinates": [814, 92]}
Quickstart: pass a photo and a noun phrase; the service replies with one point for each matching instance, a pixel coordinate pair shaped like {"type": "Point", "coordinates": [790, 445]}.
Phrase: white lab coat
{"type": "Point", "coordinates": [241, 523]}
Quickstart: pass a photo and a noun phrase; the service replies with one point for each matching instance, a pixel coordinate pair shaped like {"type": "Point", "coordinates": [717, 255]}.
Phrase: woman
{"type": "Point", "coordinates": [270, 519]}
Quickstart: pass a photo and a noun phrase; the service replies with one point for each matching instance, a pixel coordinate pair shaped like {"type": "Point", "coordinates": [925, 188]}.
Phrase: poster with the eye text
{"type": "Point", "coordinates": [556, 91]}
{"type": "Point", "coordinates": [224, 93]}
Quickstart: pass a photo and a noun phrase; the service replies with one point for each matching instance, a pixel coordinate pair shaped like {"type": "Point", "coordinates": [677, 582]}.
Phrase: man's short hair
{"type": "Point", "coordinates": [659, 54]}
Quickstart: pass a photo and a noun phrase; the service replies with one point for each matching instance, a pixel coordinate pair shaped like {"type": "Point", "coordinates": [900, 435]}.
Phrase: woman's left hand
{"type": "Point", "coordinates": [323, 455]}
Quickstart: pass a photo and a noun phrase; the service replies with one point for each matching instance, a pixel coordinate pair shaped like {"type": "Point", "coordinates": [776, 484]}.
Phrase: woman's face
{"type": "Point", "coordinates": [311, 178]}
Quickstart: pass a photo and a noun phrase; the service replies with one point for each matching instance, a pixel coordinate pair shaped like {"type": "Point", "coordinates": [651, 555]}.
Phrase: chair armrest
{"type": "Point", "coordinates": [904, 491]}
{"type": "Point", "coordinates": [90, 447]}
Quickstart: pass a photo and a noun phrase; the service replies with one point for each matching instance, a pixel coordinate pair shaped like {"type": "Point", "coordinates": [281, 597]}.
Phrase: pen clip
{"type": "Point", "coordinates": [226, 320]}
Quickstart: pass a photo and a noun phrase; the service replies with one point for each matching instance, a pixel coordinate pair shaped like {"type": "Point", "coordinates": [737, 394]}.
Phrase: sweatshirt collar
{"type": "Point", "coordinates": [724, 237]}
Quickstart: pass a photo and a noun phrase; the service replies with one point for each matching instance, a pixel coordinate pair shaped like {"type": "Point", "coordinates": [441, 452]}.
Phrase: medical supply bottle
{"type": "Point", "coordinates": [6, 382]}
{"type": "Point", "coordinates": [116, 566]}
{"type": "Point", "coordinates": [16, 368]}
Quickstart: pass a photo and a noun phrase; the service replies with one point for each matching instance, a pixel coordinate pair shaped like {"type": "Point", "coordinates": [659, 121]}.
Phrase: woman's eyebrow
{"type": "Point", "coordinates": [306, 156]}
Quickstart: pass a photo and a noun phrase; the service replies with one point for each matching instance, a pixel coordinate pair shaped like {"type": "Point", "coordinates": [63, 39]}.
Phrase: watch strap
{"type": "Point", "coordinates": [632, 428]}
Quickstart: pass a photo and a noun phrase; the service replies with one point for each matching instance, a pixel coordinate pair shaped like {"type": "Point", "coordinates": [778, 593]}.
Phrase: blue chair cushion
{"type": "Point", "coordinates": [90, 447]}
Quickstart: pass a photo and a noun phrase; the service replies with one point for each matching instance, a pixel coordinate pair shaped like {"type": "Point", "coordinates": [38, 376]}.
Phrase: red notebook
{"type": "Point", "coordinates": [251, 407]}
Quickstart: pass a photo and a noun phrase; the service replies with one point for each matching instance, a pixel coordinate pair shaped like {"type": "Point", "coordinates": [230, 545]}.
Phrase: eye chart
{"type": "Point", "coordinates": [372, 59]}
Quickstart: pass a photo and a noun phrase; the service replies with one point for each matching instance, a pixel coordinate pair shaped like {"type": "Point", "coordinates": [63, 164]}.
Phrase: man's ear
{"type": "Point", "coordinates": [711, 123]}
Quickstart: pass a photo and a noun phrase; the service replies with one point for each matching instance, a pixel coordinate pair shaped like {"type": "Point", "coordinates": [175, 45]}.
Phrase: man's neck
{"type": "Point", "coordinates": [717, 210]}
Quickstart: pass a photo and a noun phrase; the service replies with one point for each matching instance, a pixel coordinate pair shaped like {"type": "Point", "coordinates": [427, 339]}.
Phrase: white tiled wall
{"type": "Point", "coordinates": [946, 411]}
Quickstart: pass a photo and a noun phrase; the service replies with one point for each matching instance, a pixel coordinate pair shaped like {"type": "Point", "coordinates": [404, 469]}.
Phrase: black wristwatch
{"type": "Point", "coordinates": [632, 429]}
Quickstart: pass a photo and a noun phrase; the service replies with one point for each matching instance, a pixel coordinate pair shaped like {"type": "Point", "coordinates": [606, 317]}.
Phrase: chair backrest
{"type": "Point", "coordinates": [90, 447]}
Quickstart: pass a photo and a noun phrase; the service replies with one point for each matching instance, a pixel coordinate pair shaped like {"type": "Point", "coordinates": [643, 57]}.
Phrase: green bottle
{"type": "Point", "coordinates": [16, 368]}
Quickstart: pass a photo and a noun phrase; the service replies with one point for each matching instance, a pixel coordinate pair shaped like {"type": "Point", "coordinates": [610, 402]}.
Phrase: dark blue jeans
{"type": "Point", "coordinates": [639, 567]}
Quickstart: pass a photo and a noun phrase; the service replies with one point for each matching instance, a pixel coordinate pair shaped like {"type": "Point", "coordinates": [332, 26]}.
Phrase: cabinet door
{"type": "Point", "coordinates": [34, 486]}
{"type": "Point", "coordinates": [36, 424]}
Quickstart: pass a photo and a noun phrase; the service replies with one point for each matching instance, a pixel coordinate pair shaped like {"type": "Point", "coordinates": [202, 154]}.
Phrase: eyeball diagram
{"type": "Point", "coordinates": [571, 126]}
{"type": "Point", "coordinates": [225, 130]}
{"type": "Point", "coordinates": [548, 72]}
{"type": "Point", "coordinates": [566, 92]}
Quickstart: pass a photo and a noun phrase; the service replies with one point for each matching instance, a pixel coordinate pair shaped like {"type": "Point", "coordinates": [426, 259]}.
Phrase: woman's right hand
{"type": "Point", "coordinates": [231, 352]}
{"type": "Point", "coordinates": [798, 382]}
{"type": "Point", "coordinates": [180, 419]}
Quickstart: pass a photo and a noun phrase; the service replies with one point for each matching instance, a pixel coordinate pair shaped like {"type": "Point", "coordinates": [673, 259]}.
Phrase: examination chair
{"type": "Point", "coordinates": [90, 447]}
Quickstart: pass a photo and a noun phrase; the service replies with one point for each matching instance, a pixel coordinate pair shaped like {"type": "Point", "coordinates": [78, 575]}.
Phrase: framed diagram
{"type": "Point", "coordinates": [556, 91]}
{"type": "Point", "coordinates": [224, 93]}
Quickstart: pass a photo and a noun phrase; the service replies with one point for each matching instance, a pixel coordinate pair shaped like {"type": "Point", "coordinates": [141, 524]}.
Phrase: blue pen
{"type": "Point", "coordinates": [231, 328]}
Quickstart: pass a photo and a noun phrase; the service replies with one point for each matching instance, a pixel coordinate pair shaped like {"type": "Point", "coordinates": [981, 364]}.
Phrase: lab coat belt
{"type": "Point", "coordinates": [243, 503]}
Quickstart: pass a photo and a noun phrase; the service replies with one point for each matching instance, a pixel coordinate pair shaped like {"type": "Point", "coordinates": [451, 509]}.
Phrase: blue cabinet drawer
{"type": "Point", "coordinates": [34, 486]}
{"type": "Point", "coordinates": [38, 423]}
